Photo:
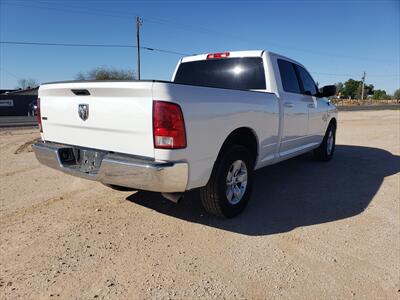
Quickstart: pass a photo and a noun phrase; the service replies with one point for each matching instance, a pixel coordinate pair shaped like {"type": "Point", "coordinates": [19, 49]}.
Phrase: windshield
{"type": "Point", "coordinates": [241, 73]}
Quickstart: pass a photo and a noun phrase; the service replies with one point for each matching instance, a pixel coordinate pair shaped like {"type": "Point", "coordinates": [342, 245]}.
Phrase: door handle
{"type": "Point", "coordinates": [311, 105]}
{"type": "Point", "coordinates": [288, 104]}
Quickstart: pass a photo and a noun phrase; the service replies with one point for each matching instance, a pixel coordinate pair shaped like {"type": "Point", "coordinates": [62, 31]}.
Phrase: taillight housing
{"type": "Point", "coordinates": [218, 55]}
{"type": "Point", "coordinates": [39, 115]}
{"type": "Point", "coordinates": [168, 126]}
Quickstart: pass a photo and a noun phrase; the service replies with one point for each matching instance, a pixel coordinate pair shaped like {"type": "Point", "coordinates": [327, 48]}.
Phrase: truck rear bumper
{"type": "Point", "coordinates": [120, 169]}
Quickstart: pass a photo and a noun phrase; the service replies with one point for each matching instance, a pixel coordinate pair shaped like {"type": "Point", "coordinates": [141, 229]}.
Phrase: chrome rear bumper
{"type": "Point", "coordinates": [120, 169]}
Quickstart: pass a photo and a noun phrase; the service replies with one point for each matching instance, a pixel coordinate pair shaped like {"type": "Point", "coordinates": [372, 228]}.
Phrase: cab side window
{"type": "Point", "coordinates": [309, 87]}
{"type": "Point", "coordinates": [288, 76]}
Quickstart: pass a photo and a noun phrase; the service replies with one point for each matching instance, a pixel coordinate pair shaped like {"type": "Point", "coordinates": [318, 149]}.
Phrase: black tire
{"type": "Point", "coordinates": [322, 153]}
{"type": "Point", "coordinates": [213, 195]}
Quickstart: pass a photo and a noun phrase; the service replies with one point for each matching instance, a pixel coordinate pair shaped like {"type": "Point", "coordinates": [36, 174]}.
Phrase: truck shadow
{"type": "Point", "coordinates": [298, 192]}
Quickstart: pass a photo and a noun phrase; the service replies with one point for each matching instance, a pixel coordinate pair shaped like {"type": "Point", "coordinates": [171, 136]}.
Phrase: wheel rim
{"type": "Point", "coordinates": [329, 143]}
{"type": "Point", "coordinates": [236, 182]}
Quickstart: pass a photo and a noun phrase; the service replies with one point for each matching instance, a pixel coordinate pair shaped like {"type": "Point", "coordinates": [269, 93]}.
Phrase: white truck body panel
{"type": "Point", "coordinates": [120, 119]}
{"type": "Point", "coordinates": [211, 114]}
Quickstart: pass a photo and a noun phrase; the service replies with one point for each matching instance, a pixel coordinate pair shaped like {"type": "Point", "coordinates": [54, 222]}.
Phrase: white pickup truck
{"type": "Point", "coordinates": [221, 117]}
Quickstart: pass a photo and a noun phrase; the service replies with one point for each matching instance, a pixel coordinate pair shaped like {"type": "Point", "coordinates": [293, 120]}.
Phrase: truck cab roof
{"type": "Point", "coordinates": [246, 53]}
{"type": "Point", "coordinates": [231, 54]}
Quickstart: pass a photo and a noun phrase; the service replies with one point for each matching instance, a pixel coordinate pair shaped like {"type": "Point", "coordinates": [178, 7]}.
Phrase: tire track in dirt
{"type": "Point", "coordinates": [26, 147]}
{"type": "Point", "coordinates": [37, 207]}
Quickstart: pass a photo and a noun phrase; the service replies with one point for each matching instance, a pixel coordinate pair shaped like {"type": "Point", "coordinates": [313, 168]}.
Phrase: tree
{"type": "Point", "coordinates": [350, 88]}
{"type": "Point", "coordinates": [380, 95]}
{"type": "Point", "coordinates": [396, 94]}
{"type": "Point", "coordinates": [26, 83]}
{"type": "Point", "coordinates": [339, 88]}
{"type": "Point", "coordinates": [368, 90]}
{"type": "Point", "coordinates": [102, 73]}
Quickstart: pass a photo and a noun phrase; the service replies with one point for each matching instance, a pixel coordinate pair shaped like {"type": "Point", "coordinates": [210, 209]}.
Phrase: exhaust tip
{"type": "Point", "coordinates": [174, 197]}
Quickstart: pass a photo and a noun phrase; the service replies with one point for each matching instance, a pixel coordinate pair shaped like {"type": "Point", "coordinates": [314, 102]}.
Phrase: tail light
{"type": "Point", "coordinates": [39, 115]}
{"type": "Point", "coordinates": [218, 55]}
{"type": "Point", "coordinates": [168, 126]}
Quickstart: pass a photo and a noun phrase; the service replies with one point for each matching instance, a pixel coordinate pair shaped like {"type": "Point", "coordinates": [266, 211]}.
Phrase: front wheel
{"type": "Point", "coordinates": [229, 188]}
{"type": "Point", "coordinates": [325, 151]}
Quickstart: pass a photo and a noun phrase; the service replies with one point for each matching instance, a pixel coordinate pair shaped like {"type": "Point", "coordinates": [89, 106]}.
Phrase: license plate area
{"type": "Point", "coordinates": [83, 160]}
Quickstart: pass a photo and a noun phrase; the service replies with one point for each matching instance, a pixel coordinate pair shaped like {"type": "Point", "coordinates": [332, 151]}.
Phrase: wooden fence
{"type": "Point", "coordinates": [355, 102]}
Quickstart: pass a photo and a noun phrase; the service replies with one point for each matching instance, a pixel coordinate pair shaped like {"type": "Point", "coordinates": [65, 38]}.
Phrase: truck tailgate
{"type": "Point", "coordinates": [119, 115]}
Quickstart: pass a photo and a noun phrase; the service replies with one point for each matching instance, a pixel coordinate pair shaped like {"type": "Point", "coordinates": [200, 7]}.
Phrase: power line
{"type": "Point", "coordinates": [159, 50]}
{"type": "Point", "coordinates": [74, 9]}
{"type": "Point", "coordinates": [355, 75]}
{"type": "Point", "coordinates": [181, 26]}
{"type": "Point", "coordinates": [91, 45]}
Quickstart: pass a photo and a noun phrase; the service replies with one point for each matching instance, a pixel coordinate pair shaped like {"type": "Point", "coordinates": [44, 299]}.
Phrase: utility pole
{"type": "Point", "coordinates": [362, 87]}
{"type": "Point", "coordinates": [138, 24]}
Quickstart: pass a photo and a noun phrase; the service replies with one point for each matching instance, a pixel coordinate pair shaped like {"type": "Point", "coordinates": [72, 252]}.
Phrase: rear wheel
{"type": "Point", "coordinates": [229, 188]}
{"type": "Point", "coordinates": [327, 148]}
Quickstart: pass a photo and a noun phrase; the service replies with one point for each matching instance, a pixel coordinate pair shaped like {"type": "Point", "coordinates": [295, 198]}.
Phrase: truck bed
{"type": "Point", "coordinates": [120, 119]}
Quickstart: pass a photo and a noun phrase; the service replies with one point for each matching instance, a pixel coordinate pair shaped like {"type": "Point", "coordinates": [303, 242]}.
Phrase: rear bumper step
{"type": "Point", "coordinates": [119, 169]}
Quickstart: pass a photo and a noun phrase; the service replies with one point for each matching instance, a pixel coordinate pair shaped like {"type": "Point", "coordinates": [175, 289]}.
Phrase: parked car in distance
{"type": "Point", "coordinates": [222, 116]}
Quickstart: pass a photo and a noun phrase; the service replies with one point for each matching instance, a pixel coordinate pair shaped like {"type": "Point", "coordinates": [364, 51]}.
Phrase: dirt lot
{"type": "Point", "coordinates": [312, 230]}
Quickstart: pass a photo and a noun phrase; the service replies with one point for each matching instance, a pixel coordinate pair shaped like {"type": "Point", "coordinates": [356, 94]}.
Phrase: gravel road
{"type": "Point", "coordinates": [312, 230]}
{"type": "Point", "coordinates": [21, 121]}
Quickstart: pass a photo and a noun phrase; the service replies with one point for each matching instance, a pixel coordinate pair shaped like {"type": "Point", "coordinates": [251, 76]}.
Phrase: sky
{"type": "Point", "coordinates": [335, 40]}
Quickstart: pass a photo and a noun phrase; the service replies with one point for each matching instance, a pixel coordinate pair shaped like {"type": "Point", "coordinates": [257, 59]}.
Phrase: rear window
{"type": "Point", "coordinates": [242, 73]}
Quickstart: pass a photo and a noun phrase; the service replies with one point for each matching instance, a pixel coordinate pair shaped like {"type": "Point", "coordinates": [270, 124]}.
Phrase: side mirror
{"type": "Point", "coordinates": [327, 91]}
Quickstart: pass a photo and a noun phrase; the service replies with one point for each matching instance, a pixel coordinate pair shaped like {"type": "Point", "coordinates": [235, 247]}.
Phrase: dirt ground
{"type": "Point", "coordinates": [312, 230]}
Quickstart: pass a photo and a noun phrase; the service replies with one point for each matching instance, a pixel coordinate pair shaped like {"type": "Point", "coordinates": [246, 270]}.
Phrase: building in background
{"type": "Point", "coordinates": [18, 102]}
{"type": "Point", "coordinates": [7, 91]}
